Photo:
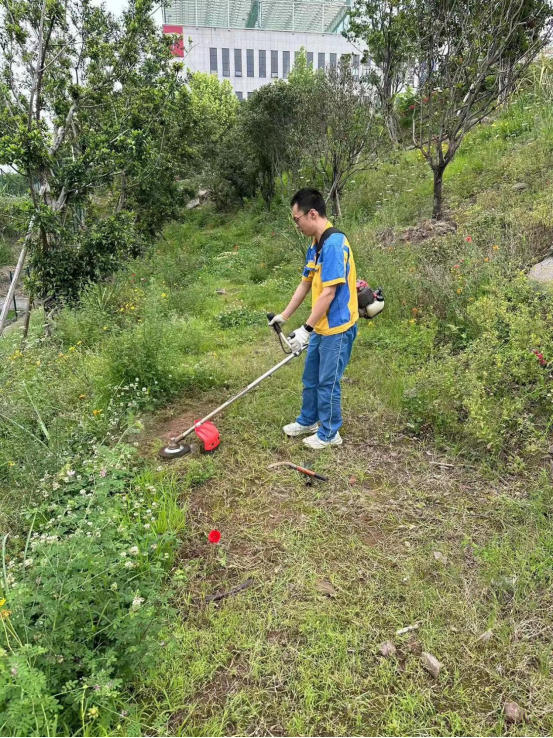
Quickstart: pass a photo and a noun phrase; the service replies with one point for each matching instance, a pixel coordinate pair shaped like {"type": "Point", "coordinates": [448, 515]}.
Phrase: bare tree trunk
{"type": "Point", "coordinates": [27, 319]}
{"type": "Point", "coordinates": [504, 82]}
{"type": "Point", "coordinates": [438, 197]}
{"type": "Point", "coordinates": [336, 207]}
{"type": "Point", "coordinates": [391, 123]}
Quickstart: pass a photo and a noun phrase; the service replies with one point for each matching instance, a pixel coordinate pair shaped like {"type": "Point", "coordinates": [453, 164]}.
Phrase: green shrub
{"type": "Point", "coordinates": [5, 253]}
{"type": "Point", "coordinates": [81, 606]}
{"type": "Point", "coordinates": [496, 394]}
{"type": "Point", "coordinates": [102, 249]}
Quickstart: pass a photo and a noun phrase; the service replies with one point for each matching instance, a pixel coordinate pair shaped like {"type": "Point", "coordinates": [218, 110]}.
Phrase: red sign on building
{"type": "Point", "coordinates": [178, 47]}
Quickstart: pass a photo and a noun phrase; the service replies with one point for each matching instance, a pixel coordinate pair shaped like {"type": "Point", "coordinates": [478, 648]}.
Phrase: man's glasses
{"type": "Point", "coordinates": [297, 218]}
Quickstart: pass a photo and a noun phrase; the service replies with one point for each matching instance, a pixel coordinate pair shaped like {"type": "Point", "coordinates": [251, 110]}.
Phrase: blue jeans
{"type": "Point", "coordinates": [326, 360]}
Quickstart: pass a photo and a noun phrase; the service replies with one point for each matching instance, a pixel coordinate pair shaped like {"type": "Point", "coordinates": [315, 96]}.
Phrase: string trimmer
{"type": "Point", "coordinates": [206, 431]}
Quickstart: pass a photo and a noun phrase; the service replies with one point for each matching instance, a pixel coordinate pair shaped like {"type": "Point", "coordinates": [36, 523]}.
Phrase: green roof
{"type": "Point", "coordinates": [267, 15]}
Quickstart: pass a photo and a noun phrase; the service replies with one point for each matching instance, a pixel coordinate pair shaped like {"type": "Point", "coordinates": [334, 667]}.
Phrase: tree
{"type": "Point", "coordinates": [270, 123]}
{"type": "Point", "coordinates": [341, 130]}
{"type": "Point", "coordinates": [87, 105]}
{"type": "Point", "coordinates": [470, 55]}
{"type": "Point", "coordinates": [386, 27]}
{"type": "Point", "coordinates": [213, 109]}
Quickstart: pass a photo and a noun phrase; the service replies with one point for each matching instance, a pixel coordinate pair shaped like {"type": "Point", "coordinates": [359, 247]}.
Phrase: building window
{"type": "Point", "coordinates": [355, 63]}
{"type": "Point", "coordinates": [239, 96]}
{"type": "Point", "coordinates": [250, 94]}
{"type": "Point", "coordinates": [237, 62]}
{"type": "Point", "coordinates": [226, 62]}
{"type": "Point", "coordinates": [285, 64]}
{"type": "Point", "coordinates": [310, 58]}
{"type": "Point", "coordinates": [321, 61]}
{"type": "Point", "coordinates": [274, 63]}
{"type": "Point", "coordinates": [333, 60]}
{"type": "Point", "coordinates": [249, 62]}
{"type": "Point", "coordinates": [213, 61]}
{"type": "Point", "coordinates": [262, 63]}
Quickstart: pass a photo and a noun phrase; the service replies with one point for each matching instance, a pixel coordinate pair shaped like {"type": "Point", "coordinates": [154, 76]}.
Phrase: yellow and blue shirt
{"type": "Point", "coordinates": [334, 265]}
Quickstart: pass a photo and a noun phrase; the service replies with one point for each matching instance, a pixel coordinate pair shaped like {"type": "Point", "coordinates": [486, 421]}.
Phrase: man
{"type": "Point", "coordinates": [330, 329]}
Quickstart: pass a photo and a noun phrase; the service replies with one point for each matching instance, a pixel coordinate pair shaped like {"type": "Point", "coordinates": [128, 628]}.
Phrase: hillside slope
{"type": "Point", "coordinates": [437, 510]}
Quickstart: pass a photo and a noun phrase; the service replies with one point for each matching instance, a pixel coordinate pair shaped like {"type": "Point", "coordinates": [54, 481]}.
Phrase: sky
{"type": "Point", "coordinates": [115, 6]}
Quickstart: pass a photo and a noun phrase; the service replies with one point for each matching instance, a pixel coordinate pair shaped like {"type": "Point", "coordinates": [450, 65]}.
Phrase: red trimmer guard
{"type": "Point", "coordinates": [208, 435]}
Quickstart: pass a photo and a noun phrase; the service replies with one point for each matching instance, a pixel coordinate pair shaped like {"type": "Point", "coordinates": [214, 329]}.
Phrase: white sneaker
{"type": "Point", "coordinates": [295, 429]}
{"type": "Point", "coordinates": [316, 443]}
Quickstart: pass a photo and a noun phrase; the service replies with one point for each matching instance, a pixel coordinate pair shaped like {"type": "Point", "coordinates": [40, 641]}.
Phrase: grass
{"type": "Point", "coordinates": [419, 524]}
{"type": "Point", "coordinates": [338, 568]}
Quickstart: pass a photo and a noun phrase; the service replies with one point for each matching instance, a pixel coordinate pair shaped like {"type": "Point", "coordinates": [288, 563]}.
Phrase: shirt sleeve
{"type": "Point", "coordinates": [309, 268]}
{"type": "Point", "coordinates": [333, 269]}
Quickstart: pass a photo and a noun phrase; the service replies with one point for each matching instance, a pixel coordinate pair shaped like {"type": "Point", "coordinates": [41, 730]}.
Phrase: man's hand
{"type": "Point", "coordinates": [299, 340]}
{"type": "Point", "coordinates": [278, 319]}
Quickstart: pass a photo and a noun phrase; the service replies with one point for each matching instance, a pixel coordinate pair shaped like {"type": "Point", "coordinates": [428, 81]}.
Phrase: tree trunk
{"type": "Point", "coordinates": [387, 102]}
{"type": "Point", "coordinates": [391, 123]}
{"type": "Point", "coordinates": [438, 197]}
{"type": "Point", "coordinates": [336, 208]}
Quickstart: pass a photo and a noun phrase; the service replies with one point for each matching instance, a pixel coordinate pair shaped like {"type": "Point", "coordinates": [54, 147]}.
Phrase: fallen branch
{"type": "Point", "coordinates": [233, 591]}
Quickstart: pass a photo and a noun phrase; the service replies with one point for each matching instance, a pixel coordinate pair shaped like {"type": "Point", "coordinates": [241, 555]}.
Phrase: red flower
{"type": "Point", "coordinates": [214, 536]}
{"type": "Point", "coordinates": [411, 107]}
{"type": "Point", "coordinates": [457, 266]}
{"type": "Point", "coordinates": [468, 239]}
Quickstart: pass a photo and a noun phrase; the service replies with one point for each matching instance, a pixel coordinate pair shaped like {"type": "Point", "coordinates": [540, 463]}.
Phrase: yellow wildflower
{"type": "Point", "coordinates": [37, 362]}
{"type": "Point", "coordinates": [82, 397]}
{"type": "Point", "coordinates": [5, 614]}
{"type": "Point", "coordinates": [487, 258]}
{"type": "Point", "coordinates": [459, 290]}
{"type": "Point", "coordinates": [72, 348]}
{"type": "Point", "coordinates": [11, 463]}
{"type": "Point", "coordinates": [97, 412]}
{"type": "Point", "coordinates": [495, 248]}
{"type": "Point", "coordinates": [164, 294]}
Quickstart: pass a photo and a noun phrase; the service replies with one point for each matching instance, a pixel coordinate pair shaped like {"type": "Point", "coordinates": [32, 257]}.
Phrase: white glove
{"type": "Point", "coordinates": [278, 319]}
{"type": "Point", "coordinates": [299, 339]}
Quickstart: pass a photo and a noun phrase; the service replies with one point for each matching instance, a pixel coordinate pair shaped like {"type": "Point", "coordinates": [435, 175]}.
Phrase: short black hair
{"type": "Point", "coordinates": [308, 199]}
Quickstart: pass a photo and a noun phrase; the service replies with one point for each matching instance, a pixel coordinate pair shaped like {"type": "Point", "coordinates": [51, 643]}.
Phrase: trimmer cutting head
{"type": "Point", "coordinates": [208, 436]}
{"type": "Point", "coordinates": [175, 450]}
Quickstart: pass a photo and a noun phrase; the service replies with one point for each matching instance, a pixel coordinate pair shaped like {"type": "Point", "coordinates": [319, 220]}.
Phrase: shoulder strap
{"type": "Point", "coordinates": [324, 235]}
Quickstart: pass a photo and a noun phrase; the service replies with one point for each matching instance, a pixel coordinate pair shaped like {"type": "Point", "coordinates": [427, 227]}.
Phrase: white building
{"type": "Point", "coordinates": [251, 42]}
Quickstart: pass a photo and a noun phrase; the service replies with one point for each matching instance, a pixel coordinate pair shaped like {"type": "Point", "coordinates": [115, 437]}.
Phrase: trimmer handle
{"type": "Point", "coordinates": [276, 326]}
